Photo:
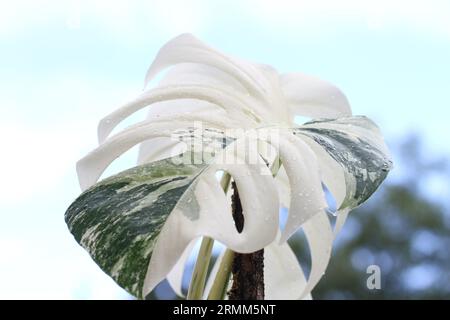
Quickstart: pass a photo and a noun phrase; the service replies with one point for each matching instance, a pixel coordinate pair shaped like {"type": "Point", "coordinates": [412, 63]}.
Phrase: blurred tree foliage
{"type": "Point", "coordinates": [404, 229]}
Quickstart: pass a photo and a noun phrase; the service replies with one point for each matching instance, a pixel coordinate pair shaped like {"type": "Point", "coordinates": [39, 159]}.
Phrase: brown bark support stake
{"type": "Point", "coordinates": [248, 269]}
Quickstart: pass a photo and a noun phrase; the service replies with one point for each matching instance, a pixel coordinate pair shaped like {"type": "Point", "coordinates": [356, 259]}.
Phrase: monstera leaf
{"type": "Point", "coordinates": [139, 226]}
{"type": "Point", "coordinates": [120, 219]}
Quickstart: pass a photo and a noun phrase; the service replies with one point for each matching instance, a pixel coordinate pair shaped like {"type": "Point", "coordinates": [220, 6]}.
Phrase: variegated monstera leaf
{"type": "Point", "coordinates": [140, 225]}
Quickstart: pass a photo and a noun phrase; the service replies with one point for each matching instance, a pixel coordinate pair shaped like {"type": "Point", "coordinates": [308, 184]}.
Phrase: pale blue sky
{"type": "Point", "coordinates": [65, 64]}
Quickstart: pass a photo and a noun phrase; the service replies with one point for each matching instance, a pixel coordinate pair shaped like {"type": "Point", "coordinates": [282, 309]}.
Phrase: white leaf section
{"type": "Point", "coordinates": [305, 186]}
{"type": "Point", "coordinates": [92, 165]}
{"type": "Point", "coordinates": [204, 75]}
{"type": "Point", "coordinates": [311, 97]}
{"type": "Point", "coordinates": [235, 105]}
{"type": "Point", "coordinates": [175, 276]}
{"type": "Point", "coordinates": [214, 215]}
{"type": "Point", "coordinates": [283, 276]}
{"type": "Point", "coordinates": [196, 73]}
{"type": "Point", "coordinates": [307, 197]}
{"type": "Point", "coordinates": [320, 239]}
{"type": "Point", "coordinates": [161, 148]}
{"type": "Point", "coordinates": [284, 192]}
{"type": "Point", "coordinates": [188, 49]}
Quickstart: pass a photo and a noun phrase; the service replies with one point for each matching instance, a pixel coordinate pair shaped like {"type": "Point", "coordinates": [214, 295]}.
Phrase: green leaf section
{"type": "Point", "coordinates": [118, 220]}
{"type": "Point", "coordinates": [357, 145]}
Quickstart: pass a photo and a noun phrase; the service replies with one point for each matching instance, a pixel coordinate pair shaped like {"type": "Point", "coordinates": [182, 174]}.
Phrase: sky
{"type": "Point", "coordinates": [66, 64]}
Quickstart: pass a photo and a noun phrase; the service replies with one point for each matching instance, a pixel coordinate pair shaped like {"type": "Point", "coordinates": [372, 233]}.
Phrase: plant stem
{"type": "Point", "coordinates": [220, 285]}
{"type": "Point", "coordinates": [225, 182]}
{"type": "Point", "coordinates": [198, 279]}
{"type": "Point", "coordinates": [247, 268]}
{"type": "Point", "coordinates": [197, 284]}
{"type": "Point", "coordinates": [248, 276]}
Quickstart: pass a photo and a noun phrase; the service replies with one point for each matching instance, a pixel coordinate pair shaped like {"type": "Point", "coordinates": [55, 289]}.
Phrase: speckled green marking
{"type": "Point", "coordinates": [365, 165]}
{"type": "Point", "coordinates": [118, 220]}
